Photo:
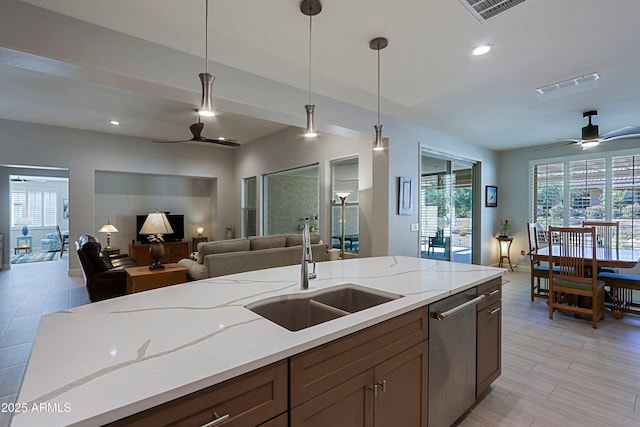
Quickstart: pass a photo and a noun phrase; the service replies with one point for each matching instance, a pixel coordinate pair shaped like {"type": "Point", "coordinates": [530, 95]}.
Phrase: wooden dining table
{"type": "Point", "coordinates": [605, 257]}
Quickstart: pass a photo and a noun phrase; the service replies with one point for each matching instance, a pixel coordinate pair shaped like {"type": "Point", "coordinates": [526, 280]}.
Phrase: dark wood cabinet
{"type": "Point", "coordinates": [173, 252]}
{"type": "Point", "coordinates": [401, 398]}
{"type": "Point", "coordinates": [349, 404]}
{"type": "Point", "coordinates": [248, 400]}
{"type": "Point", "coordinates": [489, 336]}
{"type": "Point", "coordinates": [375, 377]}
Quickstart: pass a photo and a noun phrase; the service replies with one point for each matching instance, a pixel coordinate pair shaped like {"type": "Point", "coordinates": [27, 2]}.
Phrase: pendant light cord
{"type": "Point", "coordinates": [206, 36]}
{"type": "Point", "coordinates": [310, 27]}
{"type": "Point", "coordinates": [378, 85]}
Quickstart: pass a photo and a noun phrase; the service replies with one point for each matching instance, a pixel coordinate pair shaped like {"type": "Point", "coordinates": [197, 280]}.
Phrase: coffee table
{"type": "Point", "coordinates": [141, 279]}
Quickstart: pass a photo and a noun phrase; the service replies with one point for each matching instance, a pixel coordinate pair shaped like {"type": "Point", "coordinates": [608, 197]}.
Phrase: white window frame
{"type": "Point", "coordinates": [566, 161]}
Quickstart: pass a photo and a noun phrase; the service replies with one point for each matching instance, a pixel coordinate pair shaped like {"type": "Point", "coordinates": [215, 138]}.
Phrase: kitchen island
{"type": "Point", "coordinates": [102, 362]}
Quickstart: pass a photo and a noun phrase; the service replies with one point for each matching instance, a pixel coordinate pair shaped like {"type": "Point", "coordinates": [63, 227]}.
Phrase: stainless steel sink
{"type": "Point", "coordinates": [302, 310]}
{"type": "Point", "coordinates": [352, 297]}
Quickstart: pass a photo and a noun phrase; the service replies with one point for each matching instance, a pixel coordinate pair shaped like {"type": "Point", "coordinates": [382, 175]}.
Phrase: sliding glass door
{"type": "Point", "coordinates": [446, 208]}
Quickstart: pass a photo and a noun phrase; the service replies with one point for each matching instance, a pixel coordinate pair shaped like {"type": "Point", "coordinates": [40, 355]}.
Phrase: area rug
{"type": "Point", "coordinates": [33, 257]}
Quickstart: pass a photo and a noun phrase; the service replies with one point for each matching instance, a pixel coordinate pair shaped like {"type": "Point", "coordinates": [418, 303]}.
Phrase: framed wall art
{"type": "Point", "coordinates": [491, 196]}
{"type": "Point", "coordinates": [404, 196]}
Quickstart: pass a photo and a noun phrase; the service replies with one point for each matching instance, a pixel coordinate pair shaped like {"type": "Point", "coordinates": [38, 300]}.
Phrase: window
{"type": "Point", "coordinates": [249, 212]}
{"type": "Point", "coordinates": [598, 187]}
{"type": "Point", "coordinates": [39, 207]}
{"type": "Point", "coordinates": [291, 199]}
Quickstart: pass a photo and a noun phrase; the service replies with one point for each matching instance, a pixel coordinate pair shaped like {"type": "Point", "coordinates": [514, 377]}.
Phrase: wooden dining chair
{"type": "Point", "coordinates": [575, 256]}
{"type": "Point", "coordinates": [539, 271]}
{"type": "Point", "coordinates": [606, 237]}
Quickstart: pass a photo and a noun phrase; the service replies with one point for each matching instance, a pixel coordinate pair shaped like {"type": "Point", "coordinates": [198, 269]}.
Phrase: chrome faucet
{"type": "Point", "coordinates": [307, 257]}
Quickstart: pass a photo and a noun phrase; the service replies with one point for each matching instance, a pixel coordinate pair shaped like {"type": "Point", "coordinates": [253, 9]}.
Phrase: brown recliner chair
{"type": "Point", "coordinates": [105, 277]}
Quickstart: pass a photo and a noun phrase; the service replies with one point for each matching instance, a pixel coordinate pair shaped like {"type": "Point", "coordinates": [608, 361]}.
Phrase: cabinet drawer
{"type": "Point", "coordinates": [493, 290]}
{"type": "Point", "coordinates": [324, 367]}
{"type": "Point", "coordinates": [249, 400]}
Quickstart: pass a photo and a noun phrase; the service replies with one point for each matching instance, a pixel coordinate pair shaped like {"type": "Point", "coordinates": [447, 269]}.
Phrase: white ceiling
{"type": "Point", "coordinates": [428, 76]}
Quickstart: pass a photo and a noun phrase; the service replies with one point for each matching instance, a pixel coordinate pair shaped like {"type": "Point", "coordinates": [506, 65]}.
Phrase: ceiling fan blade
{"type": "Point", "coordinates": [619, 132]}
{"type": "Point", "coordinates": [173, 142]}
{"type": "Point", "coordinates": [621, 137]}
{"type": "Point", "coordinates": [548, 147]}
{"type": "Point", "coordinates": [567, 140]}
{"type": "Point", "coordinates": [227, 142]}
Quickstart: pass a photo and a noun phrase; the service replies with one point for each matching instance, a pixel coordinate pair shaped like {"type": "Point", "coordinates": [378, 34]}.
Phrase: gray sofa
{"type": "Point", "coordinates": [224, 257]}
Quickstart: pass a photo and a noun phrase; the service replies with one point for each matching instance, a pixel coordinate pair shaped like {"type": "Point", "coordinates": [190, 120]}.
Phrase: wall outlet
{"type": "Point", "coordinates": [414, 227]}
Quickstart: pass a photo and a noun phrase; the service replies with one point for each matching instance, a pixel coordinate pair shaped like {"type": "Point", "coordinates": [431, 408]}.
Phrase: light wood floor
{"type": "Point", "coordinates": [555, 373]}
{"type": "Point", "coordinates": [561, 372]}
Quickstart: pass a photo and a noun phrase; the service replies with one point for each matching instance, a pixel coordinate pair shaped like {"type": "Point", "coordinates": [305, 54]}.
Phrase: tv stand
{"type": "Point", "coordinates": [173, 252]}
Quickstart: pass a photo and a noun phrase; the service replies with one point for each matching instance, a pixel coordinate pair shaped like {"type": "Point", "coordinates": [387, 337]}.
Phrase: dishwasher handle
{"type": "Point", "coordinates": [441, 315]}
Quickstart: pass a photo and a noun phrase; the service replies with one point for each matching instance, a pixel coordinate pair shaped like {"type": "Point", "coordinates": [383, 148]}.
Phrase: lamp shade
{"type": "Point", "coordinates": [343, 194]}
{"type": "Point", "coordinates": [200, 230]}
{"type": "Point", "coordinates": [108, 228]}
{"type": "Point", "coordinates": [156, 223]}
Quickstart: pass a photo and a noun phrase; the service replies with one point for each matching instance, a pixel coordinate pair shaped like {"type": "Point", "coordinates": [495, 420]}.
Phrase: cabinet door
{"type": "Point", "coordinates": [401, 381]}
{"type": "Point", "coordinates": [349, 404]}
{"type": "Point", "coordinates": [489, 346]}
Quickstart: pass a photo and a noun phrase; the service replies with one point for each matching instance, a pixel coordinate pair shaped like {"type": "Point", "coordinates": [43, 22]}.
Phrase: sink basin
{"type": "Point", "coordinates": [302, 310]}
{"type": "Point", "coordinates": [352, 298]}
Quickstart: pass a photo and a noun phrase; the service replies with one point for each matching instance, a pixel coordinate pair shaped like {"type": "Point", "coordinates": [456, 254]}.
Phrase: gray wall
{"type": "Point", "coordinates": [121, 196]}
{"type": "Point", "coordinates": [83, 153]}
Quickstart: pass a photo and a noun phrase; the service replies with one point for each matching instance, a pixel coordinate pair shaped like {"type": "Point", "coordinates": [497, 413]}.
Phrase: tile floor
{"type": "Point", "coordinates": [28, 291]}
{"type": "Point", "coordinates": [557, 372]}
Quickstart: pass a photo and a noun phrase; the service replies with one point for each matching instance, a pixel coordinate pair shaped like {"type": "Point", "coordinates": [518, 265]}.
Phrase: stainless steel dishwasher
{"type": "Point", "coordinates": [452, 357]}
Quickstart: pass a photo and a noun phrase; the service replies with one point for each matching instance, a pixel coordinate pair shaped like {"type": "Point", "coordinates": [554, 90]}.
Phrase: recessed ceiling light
{"type": "Point", "coordinates": [481, 50]}
{"type": "Point", "coordinates": [115, 122]}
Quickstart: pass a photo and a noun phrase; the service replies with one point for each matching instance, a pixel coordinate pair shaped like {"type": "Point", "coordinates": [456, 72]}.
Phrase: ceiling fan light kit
{"type": "Point", "coordinates": [378, 44]}
{"type": "Point", "coordinates": [310, 8]}
{"type": "Point", "coordinates": [206, 78]}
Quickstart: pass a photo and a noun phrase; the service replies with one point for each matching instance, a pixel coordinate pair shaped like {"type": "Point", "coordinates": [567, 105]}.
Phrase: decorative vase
{"type": "Point", "coordinates": [25, 230]}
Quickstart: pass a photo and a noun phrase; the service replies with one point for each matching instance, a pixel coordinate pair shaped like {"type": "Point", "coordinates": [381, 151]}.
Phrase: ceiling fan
{"type": "Point", "coordinates": [196, 131]}
{"type": "Point", "coordinates": [591, 138]}
{"type": "Point", "coordinates": [20, 180]}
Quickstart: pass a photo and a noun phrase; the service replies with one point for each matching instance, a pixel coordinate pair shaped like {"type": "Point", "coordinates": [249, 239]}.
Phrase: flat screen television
{"type": "Point", "coordinates": [176, 221]}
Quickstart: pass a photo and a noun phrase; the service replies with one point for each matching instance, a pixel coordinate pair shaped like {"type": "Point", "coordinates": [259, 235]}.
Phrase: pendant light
{"type": "Point", "coordinates": [378, 44]}
{"type": "Point", "coordinates": [310, 8]}
{"type": "Point", "coordinates": [206, 78]}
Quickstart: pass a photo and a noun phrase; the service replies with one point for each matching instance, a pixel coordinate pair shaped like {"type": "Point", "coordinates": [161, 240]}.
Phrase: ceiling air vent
{"type": "Point", "coordinates": [486, 9]}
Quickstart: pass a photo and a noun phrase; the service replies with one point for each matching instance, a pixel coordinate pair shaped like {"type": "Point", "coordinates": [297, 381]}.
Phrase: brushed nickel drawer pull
{"type": "Point", "coordinates": [494, 311]}
{"type": "Point", "coordinates": [383, 383]}
{"type": "Point", "coordinates": [218, 420]}
{"type": "Point", "coordinates": [493, 292]}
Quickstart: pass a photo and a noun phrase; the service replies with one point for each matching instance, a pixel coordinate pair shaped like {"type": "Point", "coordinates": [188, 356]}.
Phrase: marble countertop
{"type": "Point", "coordinates": [104, 361]}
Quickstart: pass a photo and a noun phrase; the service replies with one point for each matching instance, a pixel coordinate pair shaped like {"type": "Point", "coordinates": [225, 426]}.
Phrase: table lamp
{"type": "Point", "coordinates": [343, 199]}
{"type": "Point", "coordinates": [200, 230]}
{"type": "Point", "coordinates": [155, 226]}
{"type": "Point", "coordinates": [108, 228]}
